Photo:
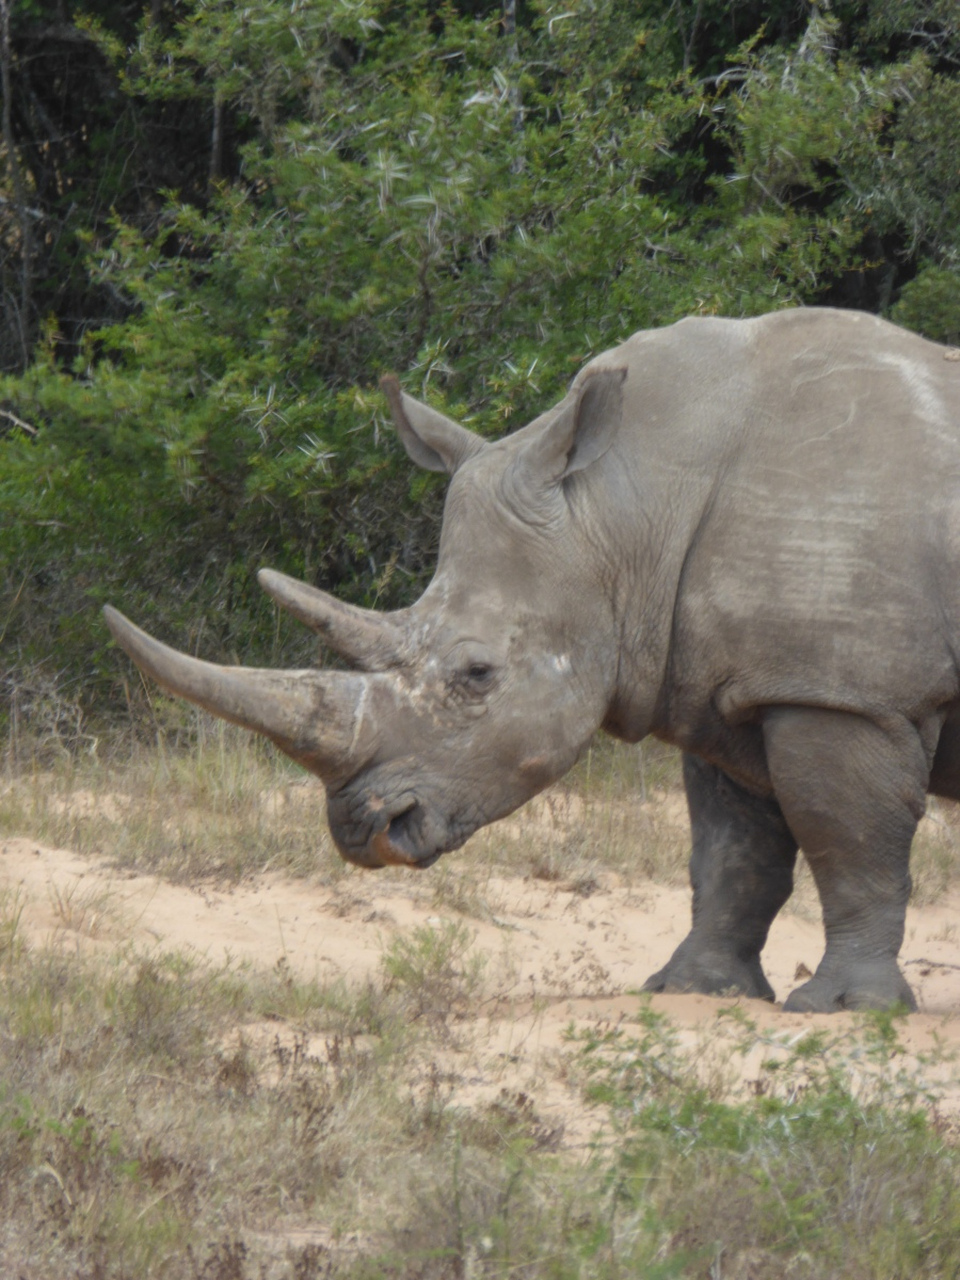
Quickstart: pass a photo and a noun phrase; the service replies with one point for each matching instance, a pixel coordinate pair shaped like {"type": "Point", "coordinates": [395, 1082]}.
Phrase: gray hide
{"type": "Point", "coordinates": [742, 536]}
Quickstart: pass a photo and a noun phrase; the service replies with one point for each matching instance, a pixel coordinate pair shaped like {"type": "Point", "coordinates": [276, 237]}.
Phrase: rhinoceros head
{"type": "Point", "coordinates": [469, 702]}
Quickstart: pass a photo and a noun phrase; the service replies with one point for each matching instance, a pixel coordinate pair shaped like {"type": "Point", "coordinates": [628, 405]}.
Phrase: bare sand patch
{"type": "Point", "coordinates": [557, 956]}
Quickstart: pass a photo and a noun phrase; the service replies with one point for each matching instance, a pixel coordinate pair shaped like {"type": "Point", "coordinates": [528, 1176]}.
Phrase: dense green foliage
{"type": "Point", "coordinates": [221, 224]}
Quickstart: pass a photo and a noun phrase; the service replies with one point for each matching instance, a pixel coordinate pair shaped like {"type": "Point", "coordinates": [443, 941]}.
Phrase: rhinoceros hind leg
{"type": "Point", "coordinates": [741, 869]}
{"type": "Point", "coordinates": [853, 793]}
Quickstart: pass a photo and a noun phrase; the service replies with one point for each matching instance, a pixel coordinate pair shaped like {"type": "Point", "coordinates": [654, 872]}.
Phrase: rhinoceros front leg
{"type": "Point", "coordinates": [741, 869]}
{"type": "Point", "coordinates": [852, 793]}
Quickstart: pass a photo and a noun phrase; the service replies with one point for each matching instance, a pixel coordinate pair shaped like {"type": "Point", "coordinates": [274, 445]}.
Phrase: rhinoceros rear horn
{"type": "Point", "coordinates": [316, 717]}
{"type": "Point", "coordinates": [432, 440]}
{"type": "Point", "coordinates": [369, 639]}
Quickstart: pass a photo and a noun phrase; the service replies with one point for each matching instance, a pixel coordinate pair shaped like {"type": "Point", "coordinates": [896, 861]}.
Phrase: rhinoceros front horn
{"type": "Point", "coordinates": [367, 638]}
{"type": "Point", "coordinates": [316, 717]}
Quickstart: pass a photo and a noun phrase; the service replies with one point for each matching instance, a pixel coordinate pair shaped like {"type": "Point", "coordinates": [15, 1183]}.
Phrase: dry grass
{"type": "Point", "coordinates": [149, 1128]}
{"type": "Point", "coordinates": [620, 810]}
{"type": "Point", "coordinates": [826, 1172]}
{"type": "Point", "coordinates": [935, 858]}
{"type": "Point", "coordinates": [159, 1118]}
{"type": "Point", "coordinates": [82, 910]}
{"type": "Point", "coordinates": [229, 807]}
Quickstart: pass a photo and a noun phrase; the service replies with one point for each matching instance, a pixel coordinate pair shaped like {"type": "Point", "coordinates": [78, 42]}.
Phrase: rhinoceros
{"type": "Point", "coordinates": [739, 535]}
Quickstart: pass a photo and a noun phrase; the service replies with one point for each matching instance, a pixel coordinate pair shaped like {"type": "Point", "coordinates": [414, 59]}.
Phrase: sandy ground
{"type": "Point", "coordinates": [556, 955]}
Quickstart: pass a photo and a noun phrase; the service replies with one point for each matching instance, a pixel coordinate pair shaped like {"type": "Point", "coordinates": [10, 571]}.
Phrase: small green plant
{"type": "Point", "coordinates": [464, 887]}
{"type": "Point", "coordinates": [434, 969]}
{"type": "Point", "coordinates": [833, 1164]}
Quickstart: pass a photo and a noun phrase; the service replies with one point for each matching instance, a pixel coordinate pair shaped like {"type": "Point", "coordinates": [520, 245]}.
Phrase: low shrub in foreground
{"type": "Point", "coordinates": [835, 1166]}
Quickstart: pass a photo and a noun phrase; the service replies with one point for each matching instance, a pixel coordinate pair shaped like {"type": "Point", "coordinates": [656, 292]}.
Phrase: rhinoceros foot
{"type": "Point", "coordinates": [876, 984]}
{"type": "Point", "coordinates": [711, 971]}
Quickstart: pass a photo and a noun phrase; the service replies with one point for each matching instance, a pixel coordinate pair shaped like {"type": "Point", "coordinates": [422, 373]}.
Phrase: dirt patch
{"type": "Point", "coordinates": [555, 956]}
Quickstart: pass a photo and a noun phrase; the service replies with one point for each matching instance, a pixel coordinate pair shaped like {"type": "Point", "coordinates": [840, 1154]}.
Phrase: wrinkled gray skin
{"type": "Point", "coordinates": [742, 536]}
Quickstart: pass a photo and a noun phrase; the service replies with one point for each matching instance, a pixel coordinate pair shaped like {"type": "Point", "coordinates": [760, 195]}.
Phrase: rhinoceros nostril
{"type": "Point", "coordinates": [402, 842]}
{"type": "Point", "coordinates": [397, 843]}
{"type": "Point", "coordinates": [402, 829]}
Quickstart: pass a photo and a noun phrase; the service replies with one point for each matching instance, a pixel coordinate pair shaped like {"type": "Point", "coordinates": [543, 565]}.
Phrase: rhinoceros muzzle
{"type": "Point", "coordinates": [372, 832]}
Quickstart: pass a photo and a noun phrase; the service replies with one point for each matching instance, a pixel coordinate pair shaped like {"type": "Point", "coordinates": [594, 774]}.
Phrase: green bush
{"type": "Point", "coordinates": [410, 188]}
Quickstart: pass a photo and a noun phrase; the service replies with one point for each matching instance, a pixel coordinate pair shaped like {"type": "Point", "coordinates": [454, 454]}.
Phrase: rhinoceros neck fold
{"type": "Point", "coordinates": [642, 581]}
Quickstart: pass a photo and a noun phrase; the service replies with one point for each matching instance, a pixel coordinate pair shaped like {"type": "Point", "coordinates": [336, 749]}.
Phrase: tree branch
{"type": "Point", "coordinates": [18, 422]}
{"type": "Point", "coordinates": [513, 59]}
{"type": "Point", "coordinates": [19, 189]}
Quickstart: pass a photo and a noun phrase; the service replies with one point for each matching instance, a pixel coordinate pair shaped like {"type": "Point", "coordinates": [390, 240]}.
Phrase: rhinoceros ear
{"type": "Point", "coordinates": [582, 430]}
{"type": "Point", "coordinates": [431, 440]}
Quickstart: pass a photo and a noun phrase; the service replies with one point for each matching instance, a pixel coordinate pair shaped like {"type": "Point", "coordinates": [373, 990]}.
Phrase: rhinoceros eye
{"type": "Point", "coordinates": [472, 676]}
